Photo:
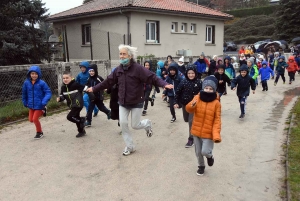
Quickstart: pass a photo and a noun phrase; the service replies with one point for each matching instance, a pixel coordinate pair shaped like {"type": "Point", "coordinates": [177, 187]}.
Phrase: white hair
{"type": "Point", "coordinates": [132, 51]}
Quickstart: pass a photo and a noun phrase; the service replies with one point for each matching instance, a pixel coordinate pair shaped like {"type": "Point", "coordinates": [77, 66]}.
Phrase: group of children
{"type": "Point", "coordinates": [199, 100]}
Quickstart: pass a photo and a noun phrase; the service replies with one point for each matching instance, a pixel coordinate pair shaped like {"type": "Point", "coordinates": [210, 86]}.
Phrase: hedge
{"type": "Point", "coordinates": [265, 10]}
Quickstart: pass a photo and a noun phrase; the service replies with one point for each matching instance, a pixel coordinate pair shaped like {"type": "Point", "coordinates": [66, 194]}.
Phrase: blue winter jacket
{"type": "Point", "coordinates": [83, 77]}
{"type": "Point", "coordinates": [35, 96]}
{"type": "Point", "coordinates": [201, 65]}
{"type": "Point", "coordinates": [265, 72]}
{"type": "Point", "coordinates": [174, 80]}
{"type": "Point", "coordinates": [229, 70]}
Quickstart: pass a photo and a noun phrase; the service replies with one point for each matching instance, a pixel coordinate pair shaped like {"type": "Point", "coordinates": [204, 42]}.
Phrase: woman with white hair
{"type": "Point", "coordinates": [130, 77]}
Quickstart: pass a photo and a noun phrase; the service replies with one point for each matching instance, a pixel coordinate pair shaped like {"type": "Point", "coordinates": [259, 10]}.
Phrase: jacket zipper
{"type": "Point", "coordinates": [33, 95]}
{"type": "Point", "coordinates": [204, 117]}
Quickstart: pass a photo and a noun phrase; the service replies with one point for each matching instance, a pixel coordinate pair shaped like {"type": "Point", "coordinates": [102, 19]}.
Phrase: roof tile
{"type": "Point", "coordinates": [170, 5]}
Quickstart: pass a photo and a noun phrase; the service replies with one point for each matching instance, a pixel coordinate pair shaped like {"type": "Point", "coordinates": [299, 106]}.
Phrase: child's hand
{"type": "Point", "coordinates": [176, 106]}
{"type": "Point", "coordinates": [194, 103]}
{"type": "Point", "coordinates": [220, 81]}
{"type": "Point", "coordinates": [89, 89]}
{"type": "Point", "coordinates": [234, 89]}
{"type": "Point", "coordinates": [57, 99]}
{"type": "Point", "coordinates": [163, 96]}
{"type": "Point", "coordinates": [253, 92]}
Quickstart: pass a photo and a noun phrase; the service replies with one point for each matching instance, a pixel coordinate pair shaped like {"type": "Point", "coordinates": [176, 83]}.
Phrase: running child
{"type": "Point", "coordinates": [98, 98]}
{"type": "Point", "coordinates": [185, 92]}
{"type": "Point", "coordinates": [173, 78]}
{"type": "Point", "coordinates": [264, 73]}
{"type": "Point", "coordinates": [206, 127]}
{"type": "Point", "coordinates": [280, 69]}
{"type": "Point", "coordinates": [242, 83]}
{"type": "Point", "coordinates": [35, 96]}
{"type": "Point", "coordinates": [222, 80]}
{"type": "Point", "coordinates": [292, 68]}
{"type": "Point", "coordinates": [71, 91]}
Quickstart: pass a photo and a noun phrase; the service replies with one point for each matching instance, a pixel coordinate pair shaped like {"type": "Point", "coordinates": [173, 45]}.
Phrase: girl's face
{"type": "Point", "coordinates": [232, 61]}
{"type": "Point", "coordinates": [169, 59]}
{"type": "Point", "coordinates": [215, 58]}
{"type": "Point", "coordinates": [172, 72]}
{"type": "Point", "coordinates": [67, 78]}
{"type": "Point", "coordinates": [220, 70]}
{"type": "Point", "coordinates": [191, 74]}
{"type": "Point", "coordinates": [166, 67]}
{"type": "Point", "coordinates": [34, 76]}
{"type": "Point", "coordinates": [264, 66]}
{"type": "Point", "coordinates": [208, 89]}
{"type": "Point", "coordinates": [91, 72]}
{"type": "Point", "coordinates": [249, 64]}
{"type": "Point", "coordinates": [243, 73]}
{"type": "Point", "coordinates": [280, 60]}
{"type": "Point", "coordinates": [226, 61]}
{"type": "Point", "coordinates": [201, 57]}
{"type": "Point", "coordinates": [220, 62]}
{"type": "Point", "coordinates": [147, 65]}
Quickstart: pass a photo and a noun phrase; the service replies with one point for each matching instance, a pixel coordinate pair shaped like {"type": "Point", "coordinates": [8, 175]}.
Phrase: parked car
{"type": "Point", "coordinates": [231, 46]}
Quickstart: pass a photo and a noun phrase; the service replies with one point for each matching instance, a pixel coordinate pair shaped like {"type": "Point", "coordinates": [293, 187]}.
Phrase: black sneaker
{"type": "Point", "coordinates": [242, 116]}
{"type": "Point", "coordinates": [82, 122]}
{"type": "Point", "coordinates": [200, 171]}
{"type": "Point", "coordinates": [266, 88]}
{"type": "Point", "coordinates": [173, 119]}
{"type": "Point", "coordinates": [39, 135]}
{"type": "Point", "coordinates": [87, 124]}
{"type": "Point", "coordinates": [190, 143]}
{"type": "Point", "coordinates": [108, 115]}
{"type": "Point", "coordinates": [210, 161]}
{"type": "Point", "coordinates": [95, 114]}
{"type": "Point", "coordinates": [80, 134]}
{"type": "Point", "coordinates": [45, 111]}
{"type": "Point", "coordinates": [152, 102]}
{"type": "Point", "coordinates": [144, 112]}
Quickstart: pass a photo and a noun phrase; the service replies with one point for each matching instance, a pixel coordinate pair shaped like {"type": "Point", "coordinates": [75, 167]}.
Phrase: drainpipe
{"type": "Point", "coordinates": [128, 27]}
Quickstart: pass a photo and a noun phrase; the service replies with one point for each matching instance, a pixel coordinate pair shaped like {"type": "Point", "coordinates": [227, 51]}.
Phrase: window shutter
{"type": "Point", "coordinates": [213, 35]}
{"type": "Point", "coordinates": [82, 33]}
{"type": "Point", "coordinates": [157, 32]}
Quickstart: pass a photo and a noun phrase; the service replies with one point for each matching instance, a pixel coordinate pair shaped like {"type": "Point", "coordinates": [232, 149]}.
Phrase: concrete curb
{"type": "Point", "coordinates": [288, 191]}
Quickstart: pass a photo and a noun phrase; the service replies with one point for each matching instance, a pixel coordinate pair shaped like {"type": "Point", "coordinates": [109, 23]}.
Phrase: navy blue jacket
{"type": "Point", "coordinates": [174, 80]}
{"type": "Point", "coordinates": [243, 85]}
{"type": "Point", "coordinates": [35, 96]}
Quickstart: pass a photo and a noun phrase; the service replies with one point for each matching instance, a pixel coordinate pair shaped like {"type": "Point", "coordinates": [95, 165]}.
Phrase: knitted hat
{"type": "Point", "coordinates": [202, 54]}
{"type": "Point", "coordinates": [251, 60]}
{"type": "Point", "coordinates": [210, 81]}
{"type": "Point", "coordinates": [181, 59]}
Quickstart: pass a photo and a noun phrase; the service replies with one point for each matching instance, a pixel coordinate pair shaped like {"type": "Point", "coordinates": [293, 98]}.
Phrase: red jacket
{"type": "Point", "coordinates": [293, 67]}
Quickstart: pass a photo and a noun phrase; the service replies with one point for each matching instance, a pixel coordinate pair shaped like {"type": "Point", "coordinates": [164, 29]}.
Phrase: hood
{"type": "Point", "coordinates": [173, 66]}
{"type": "Point", "coordinates": [160, 64]}
{"type": "Point", "coordinates": [292, 58]}
{"type": "Point", "coordinates": [228, 58]}
{"type": "Point", "coordinates": [234, 58]}
{"type": "Point", "coordinates": [192, 67]}
{"type": "Point", "coordinates": [150, 63]}
{"type": "Point", "coordinates": [95, 68]}
{"type": "Point", "coordinates": [282, 57]}
{"type": "Point", "coordinates": [244, 67]}
{"type": "Point", "coordinates": [86, 65]}
{"type": "Point", "coordinates": [34, 69]}
{"type": "Point", "coordinates": [264, 63]}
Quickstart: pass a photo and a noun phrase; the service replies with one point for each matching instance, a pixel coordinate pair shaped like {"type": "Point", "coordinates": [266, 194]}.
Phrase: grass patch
{"type": "Point", "coordinates": [15, 110]}
{"type": "Point", "coordinates": [294, 155]}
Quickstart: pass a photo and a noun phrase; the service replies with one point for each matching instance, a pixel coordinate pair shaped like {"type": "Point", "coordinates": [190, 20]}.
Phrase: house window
{"type": "Point", "coordinates": [193, 28]}
{"type": "Point", "coordinates": [86, 34]}
{"type": "Point", "coordinates": [174, 27]}
{"type": "Point", "coordinates": [152, 32]}
{"type": "Point", "coordinates": [183, 27]}
{"type": "Point", "coordinates": [210, 34]}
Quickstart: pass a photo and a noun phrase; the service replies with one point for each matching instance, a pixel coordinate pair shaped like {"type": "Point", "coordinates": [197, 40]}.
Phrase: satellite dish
{"type": "Point", "coordinates": [53, 39]}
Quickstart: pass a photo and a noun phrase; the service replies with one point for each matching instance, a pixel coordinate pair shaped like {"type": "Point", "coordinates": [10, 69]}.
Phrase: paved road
{"type": "Point", "coordinates": [247, 166]}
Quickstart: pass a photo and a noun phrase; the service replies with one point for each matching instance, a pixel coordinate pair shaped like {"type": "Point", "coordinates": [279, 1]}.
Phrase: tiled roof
{"type": "Point", "coordinates": [180, 6]}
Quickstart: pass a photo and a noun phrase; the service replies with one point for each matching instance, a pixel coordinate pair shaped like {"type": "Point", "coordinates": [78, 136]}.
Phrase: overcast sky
{"type": "Point", "coordinates": [56, 6]}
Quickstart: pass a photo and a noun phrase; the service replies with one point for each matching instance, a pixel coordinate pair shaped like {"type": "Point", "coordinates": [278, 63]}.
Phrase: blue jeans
{"type": "Point", "coordinates": [86, 102]}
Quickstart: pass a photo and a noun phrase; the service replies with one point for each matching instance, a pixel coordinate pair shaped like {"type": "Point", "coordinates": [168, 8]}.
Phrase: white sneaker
{"type": "Point", "coordinates": [127, 151]}
{"type": "Point", "coordinates": [149, 132]}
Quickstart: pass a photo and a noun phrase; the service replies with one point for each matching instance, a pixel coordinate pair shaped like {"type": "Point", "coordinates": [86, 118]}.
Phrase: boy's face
{"type": "Point", "coordinates": [201, 57]}
{"type": "Point", "coordinates": [226, 61]}
{"type": "Point", "coordinates": [208, 89]}
{"type": "Point", "coordinates": [191, 74]}
{"type": "Point", "coordinates": [83, 69]}
{"type": "Point", "coordinates": [264, 66]}
{"type": "Point", "coordinates": [243, 73]}
{"type": "Point", "coordinates": [180, 62]}
{"type": "Point", "coordinates": [34, 75]}
{"type": "Point", "coordinates": [172, 72]}
{"type": "Point", "coordinates": [249, 64]}
{"type": "Point", "coordinates": [91, 72]}
{"type": "Point", "coordinates": [67, 78]}
{"type": "Point", "coordinates": [166, 67]}
{"type": "Point", "coordinates": [147, 65]}
{"type": "Point", "coordinates": [220, 70]}
{"type": "Point", "coordinates": [232, 61]}
{"type": "Point", "coordinates": [280, 60]}
{"type": "Point", "coordinates": [215, 58]}
{"type": "Point", "coordinates": [290, 60]}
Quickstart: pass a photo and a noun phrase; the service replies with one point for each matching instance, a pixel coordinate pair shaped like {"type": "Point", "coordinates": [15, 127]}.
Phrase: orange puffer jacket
{"type": "Point", "coordinates": [207, 118]}
{"type": "Point", "coordinates": [293, 67]}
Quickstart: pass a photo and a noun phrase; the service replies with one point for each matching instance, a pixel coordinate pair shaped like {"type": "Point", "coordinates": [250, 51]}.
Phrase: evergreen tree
{"type": "Point", "coordinates": [22, 42]}
{"type": "Point", "coordinates": [86, 1]}
{"type": "Point", "coordinates": [288, 20]}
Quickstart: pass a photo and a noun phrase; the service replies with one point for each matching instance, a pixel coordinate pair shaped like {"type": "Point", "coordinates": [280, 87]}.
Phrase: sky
{"type": "Point", "coordinates": [56, 6]}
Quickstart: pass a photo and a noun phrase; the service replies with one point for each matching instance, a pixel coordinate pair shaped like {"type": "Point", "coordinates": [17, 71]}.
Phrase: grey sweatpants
{"type": "Point", "coordinates": [136, 123]}
{"type": "Point", "coordinates": [203, 147]}
{"type": "Point", "coordinates": [188, 117]}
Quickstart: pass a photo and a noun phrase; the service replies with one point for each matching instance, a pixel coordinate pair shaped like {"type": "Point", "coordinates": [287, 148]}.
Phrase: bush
{"type": "Point", "coordinates": [265, 10]}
